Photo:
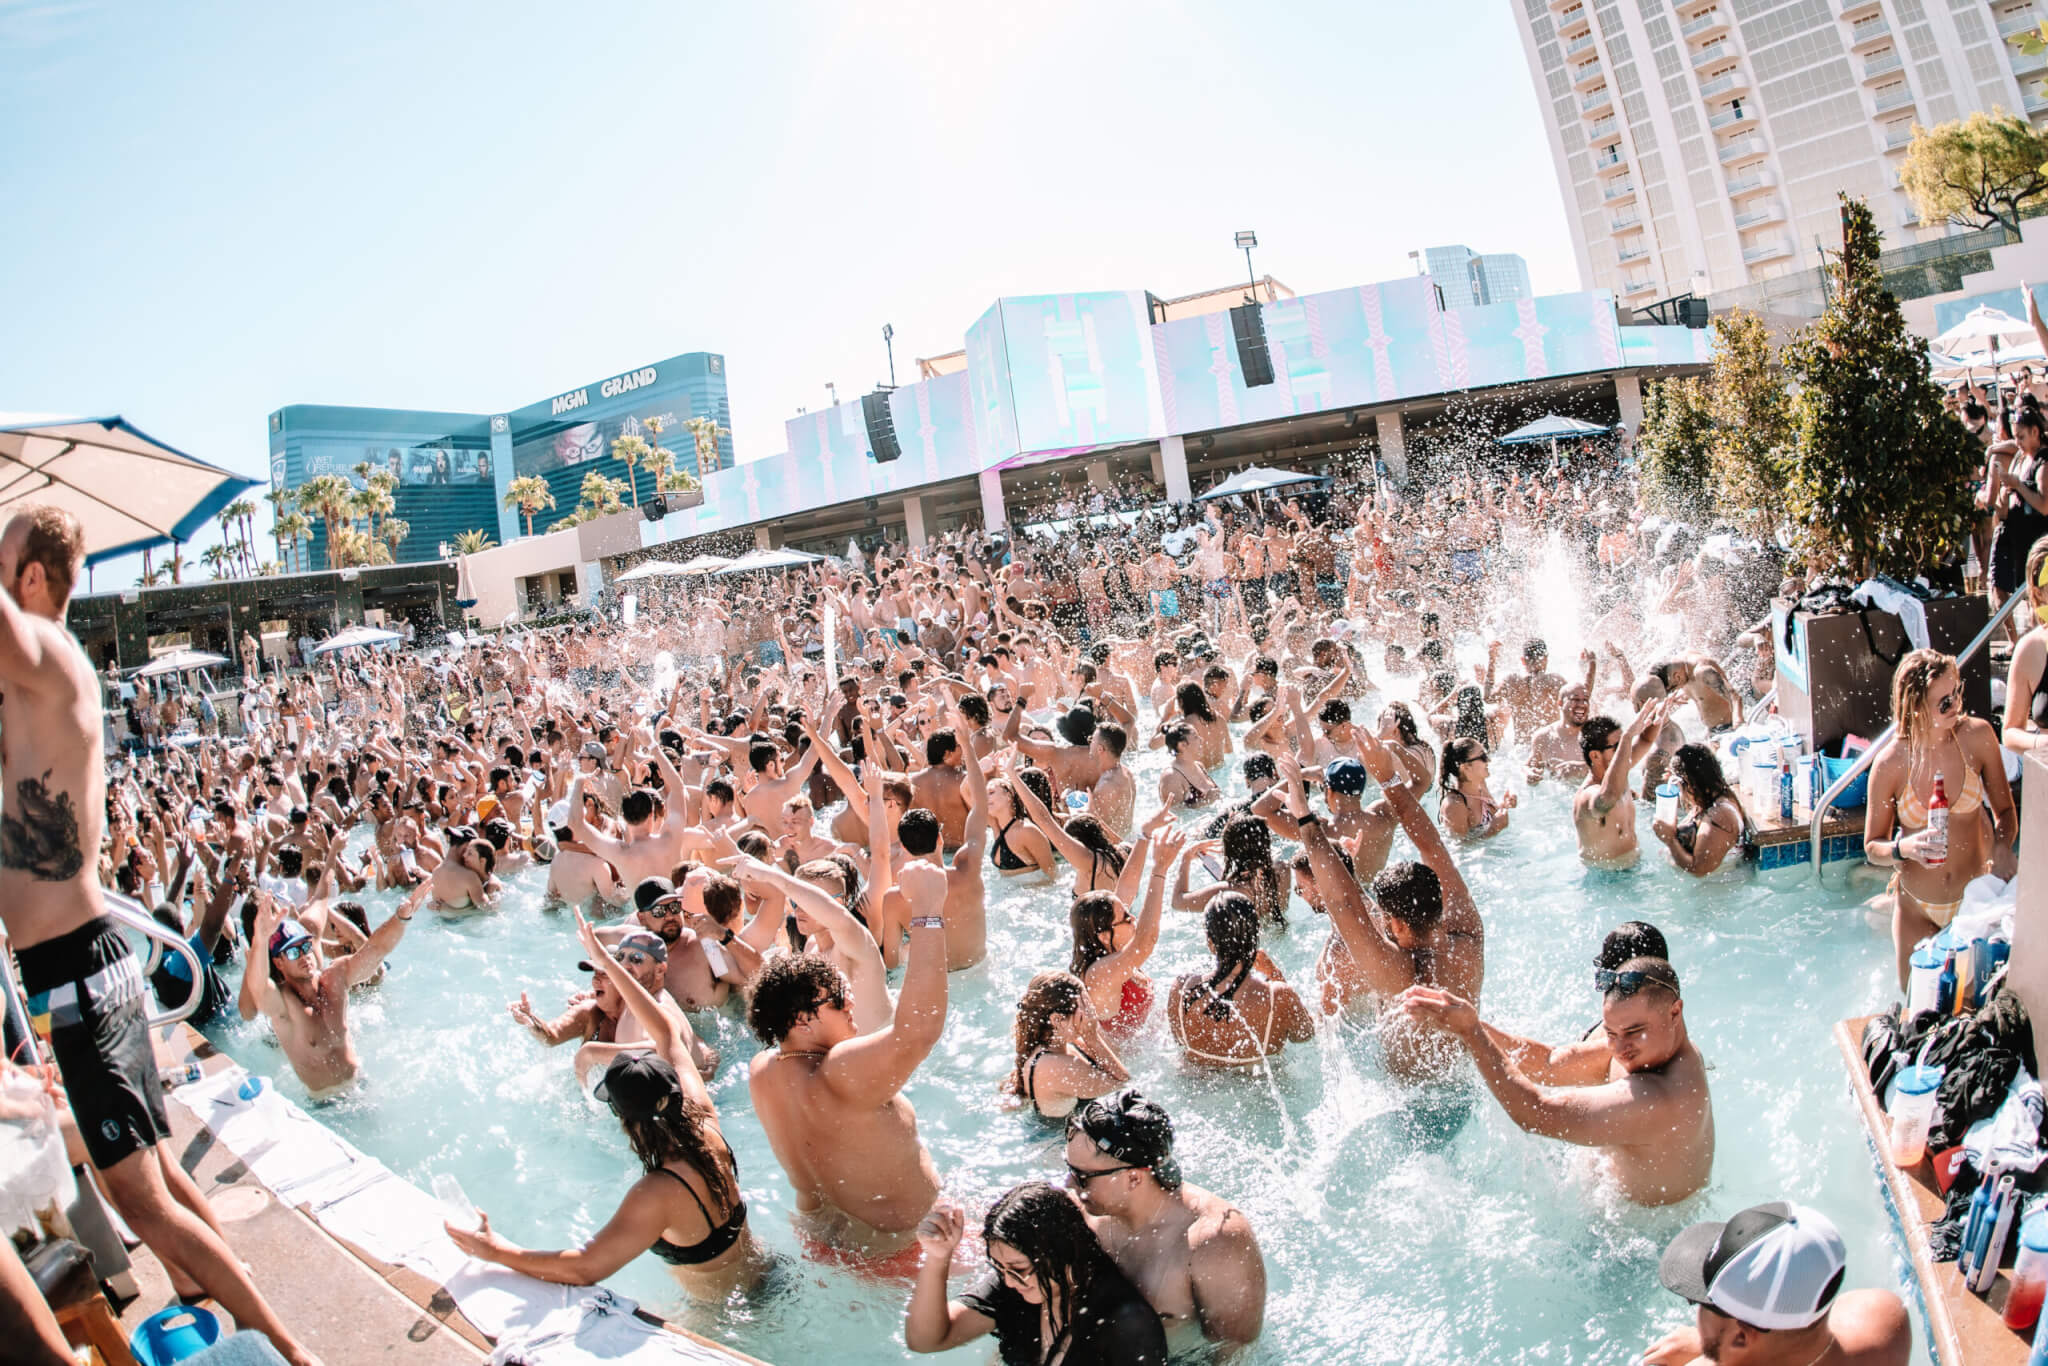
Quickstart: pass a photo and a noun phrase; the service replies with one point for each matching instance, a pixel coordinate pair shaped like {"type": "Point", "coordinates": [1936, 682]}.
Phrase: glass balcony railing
{"type": "Point", "coordinates": [1892, 97]}
{"type": "Point", "coordinates": [2018, 21]}
{"type": "Point", "coordinates": [1726, 81]}
{"type": "Point", "coordinates": [1881, 64]}
{"type": "Point", "coordinates": [1712, 52]}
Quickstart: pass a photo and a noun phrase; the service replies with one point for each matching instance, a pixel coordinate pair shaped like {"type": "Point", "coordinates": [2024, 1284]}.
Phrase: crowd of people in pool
{"type": "Point", "coordinates": [800, 822]}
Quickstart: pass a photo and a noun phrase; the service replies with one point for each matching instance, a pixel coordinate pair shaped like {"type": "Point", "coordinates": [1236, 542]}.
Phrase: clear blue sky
{"type": "Point", "coordinates": [214, 210]}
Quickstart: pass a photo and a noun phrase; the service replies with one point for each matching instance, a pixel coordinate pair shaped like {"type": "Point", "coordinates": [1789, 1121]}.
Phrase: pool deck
{"type": "Point", "coordinates": [1784, 844]}
{"type": "Point", "coordinates": [1962, 1329]}
{"type": "Point", "coordinates": [346, 1306]}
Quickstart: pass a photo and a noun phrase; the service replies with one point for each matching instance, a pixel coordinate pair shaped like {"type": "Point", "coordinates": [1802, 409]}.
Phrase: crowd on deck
{"type": "Point", "coordinates": [801, 819]}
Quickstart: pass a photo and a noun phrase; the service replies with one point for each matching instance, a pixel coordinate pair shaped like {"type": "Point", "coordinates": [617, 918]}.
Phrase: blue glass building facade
{"type": "Point", "coordinates": [454, 469]}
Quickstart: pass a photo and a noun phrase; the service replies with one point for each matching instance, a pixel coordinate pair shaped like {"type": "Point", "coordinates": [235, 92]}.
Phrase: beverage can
{"type": "Point", "coordinates": [182, 1075]}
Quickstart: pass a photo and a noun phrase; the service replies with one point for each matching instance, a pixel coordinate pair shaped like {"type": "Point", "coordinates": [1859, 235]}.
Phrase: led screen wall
{"type": "Point", "coordinates": [1064, 371]}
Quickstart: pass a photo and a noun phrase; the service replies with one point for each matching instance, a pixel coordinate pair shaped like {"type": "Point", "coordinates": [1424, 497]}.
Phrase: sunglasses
{"type": "Point", "coordinates": [635, 960]}
{"type": "Point", "coordinates": [292, 953]}
{"type": "Point", "coordinates": [1949, 702]}
{"type": "Point", "coordinates": [1079, 1178]}
{"type": "Point", "coordinates": [664, 910]}
{"type": "Point", "coordinates": [1609, 982]}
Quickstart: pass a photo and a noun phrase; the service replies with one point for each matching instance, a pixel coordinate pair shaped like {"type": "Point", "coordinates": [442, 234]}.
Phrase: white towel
{"type": "Point", "coordinates": [1911, 611]}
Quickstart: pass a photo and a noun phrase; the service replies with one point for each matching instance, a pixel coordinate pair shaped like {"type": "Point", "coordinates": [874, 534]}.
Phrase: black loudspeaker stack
{"type": "Point", "coordinates": [874, 410]}
{"type": "Point", "coordinates": [1248, 325]}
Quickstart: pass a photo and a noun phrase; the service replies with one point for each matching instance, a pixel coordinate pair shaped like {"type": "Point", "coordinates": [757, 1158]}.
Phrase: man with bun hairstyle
{"type": "Point", "coordinates": [1192, 1254]}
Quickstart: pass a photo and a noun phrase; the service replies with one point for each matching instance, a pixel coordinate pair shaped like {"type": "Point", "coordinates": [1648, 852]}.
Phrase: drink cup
{"type": "Point", "coordinates": [1923, 985]}
{"type": "Point", "coordinates": [1912, 1113]}
{"type": "Point", "coordinates": [1667, 803]}
{"type": "Point", "coordinates": [2029, 1275]}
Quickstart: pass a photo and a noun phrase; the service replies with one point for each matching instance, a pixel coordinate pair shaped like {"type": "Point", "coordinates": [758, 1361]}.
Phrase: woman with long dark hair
{"type": "Point", "coordinates": [686, 1208]}
{"type": "Point", "coordinates": [1184, 784]}
{"type": "Point", "coordinates": [1062, 1058]}
{"type": "Point", "coordinates": [1248, 869]}
{"type": "Point", "coordinates": [1413, 755]}
{"type": "Point", "coordinates": [1083, 840]}
{"type": "Point", "coordinates": [1468, 808]}
{"type": "Point", "coordinates": [1050, 1295]}
{"type": "Point", "coordinates": [1711, 817]}
{"type": "Point", "coordinates": [1212, 737]}
{"type": "Point", "coordinates": [1229, 1016]}
{"type": "Point", "coordinates": [1110, 947]}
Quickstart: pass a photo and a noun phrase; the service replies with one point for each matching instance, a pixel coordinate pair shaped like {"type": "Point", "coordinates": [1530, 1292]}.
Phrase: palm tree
{"type": "Point", "coordinates": [707, 433]}
{"type": "Point", "coordinates": [530, 494]}
{"type": "Point", "coordinates": [281, 501]}
{"type": "Point", "coordinates": [177, 561]}
{"type": "Point", "coordinates": [150, 578]}
{"type": "Point", "coordinates": [632, 451]}
{"type": "Point", "coordinates": [600, 495]}
{"type": "Point", "coordinates": [293, 528]}
{"type": "Point", "coordinates": [215, 557]}
{"type": "Point", "coordinates": [374, 504]}
{"type": "Point", "coordinates": [330, 497]}
{"type": "Point", "coordinates": [470, 542]}
{"type": "Point", "coordinates": [393, 534]}
{"type": "Point", "coordinates": [242, 513]}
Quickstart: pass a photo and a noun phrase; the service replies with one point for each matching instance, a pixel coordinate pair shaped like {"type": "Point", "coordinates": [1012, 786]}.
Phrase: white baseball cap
{"type": "Point", "coordinates": [1775, 1266]}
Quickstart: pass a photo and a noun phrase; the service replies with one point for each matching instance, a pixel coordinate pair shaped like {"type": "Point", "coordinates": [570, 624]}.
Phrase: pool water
{"type": "Point", "coordinates": [1397, 1226]}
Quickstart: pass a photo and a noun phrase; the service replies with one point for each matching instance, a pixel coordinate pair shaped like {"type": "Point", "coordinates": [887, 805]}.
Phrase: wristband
{"type": "Point", "coordinates": [725, 938]}
{"type": "Point", "coordinates": [927, 922]}
{"type": "Point", "coordinates": [1308, 818]}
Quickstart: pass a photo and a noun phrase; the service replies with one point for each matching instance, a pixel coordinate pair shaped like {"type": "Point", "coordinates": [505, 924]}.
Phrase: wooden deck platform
{"type": "Point", "coordinates": [1962, 1329]}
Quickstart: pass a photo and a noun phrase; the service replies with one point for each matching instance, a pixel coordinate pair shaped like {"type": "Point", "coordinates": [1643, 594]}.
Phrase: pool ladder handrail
{"type": "Point", "coordinates": [130, 915]}
{"type": "Point", "coordinates": [1869, 756]}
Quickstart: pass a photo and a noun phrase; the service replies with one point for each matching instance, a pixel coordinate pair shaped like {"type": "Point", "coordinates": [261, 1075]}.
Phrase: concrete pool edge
{"type": "Point", "coordinates": [440, 1317]}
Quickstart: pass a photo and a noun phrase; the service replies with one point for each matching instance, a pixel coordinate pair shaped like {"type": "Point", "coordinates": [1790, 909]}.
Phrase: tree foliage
{"type": "Point", "coordinates": [1880, 476]}
{"type": "Point", "coordinates": [1981, 170]}
{"type": "Point", "coordinates": [1678, 430]}
{"type": "Point", "coordinates": [1752, 425]}
{"type": "Point", "coordinates": [530, 494]}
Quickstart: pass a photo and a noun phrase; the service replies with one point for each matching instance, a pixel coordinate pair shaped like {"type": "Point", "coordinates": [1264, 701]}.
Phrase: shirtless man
{"type": "Point", "coordinates": [578, 877]}
{"type": "Point", "coordinates": [642, 850]}
{"type": "Point", "coordinates": [1638, 1093]}
{"type": "Point", "coordinates": [1190, 1253]}
{"type": "Point", "coordinates": [1699, 680]}
{"type": "Point", "coordinates": [1554, 752]}
{"type": "Point", "coordinates": [643, 954]}
{"type": "Point", "coordinates": [307, 999]}
{"type": "Point", "coordinates": [1432, 934]}
{"type": "Point", "coordinates": [1604, 809]}
{"type": "Point", "coordinates": [1113, 799]}
{"type": "Point", "coordinates": [463, 881]}
{"type": "Point", "coordinates": [936, 788]}
{"type": "Point", "coordinates": [693, 980]}
{"type": "Point", "coordinates": [1530, 695]}
{"type": "Point", "coordinates": [831, 1100]}
{"type": "Point", "coordinates": [966, 908]}
{"type": "Point", "coordinates": [76, 967]}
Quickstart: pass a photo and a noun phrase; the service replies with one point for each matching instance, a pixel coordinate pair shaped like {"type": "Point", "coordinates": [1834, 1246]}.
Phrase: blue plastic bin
{"type": "Point", "coordinates": [1855, 794]}
{"type": "Point", "coordinates": [174, 1334]}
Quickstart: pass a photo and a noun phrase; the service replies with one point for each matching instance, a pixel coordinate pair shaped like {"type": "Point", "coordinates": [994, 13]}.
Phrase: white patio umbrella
{"type": "Point", "coordinates": [180, 661]}
{"type": "Point", "coordinates": [770, 559]}
{"type": "Point", "coordinates": [703, 564]}
{"type": "Point", "coordinates": [355, 636]}
{"type": "Point", "coordinates": [127, 489]}
{"type": "Point", "coordinates": [1551, 428]}
{"type": "Point", "coordinates": [1985, 332]}
{"type": "Point", "coordinates": [650, 569]}
{"type": "Point", "coordinates": [1257, 480]}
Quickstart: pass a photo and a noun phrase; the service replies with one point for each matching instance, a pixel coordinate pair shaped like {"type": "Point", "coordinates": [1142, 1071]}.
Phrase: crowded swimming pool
{"type": "Point", "coordinates": [1397, 1224]}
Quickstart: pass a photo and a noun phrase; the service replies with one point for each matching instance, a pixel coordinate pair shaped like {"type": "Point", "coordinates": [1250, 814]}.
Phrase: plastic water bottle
{"type": "Point", "coordinates": [1912, 1113]}
{"type": "Point", "coordinates": [462, 1214]}
{"type": "Point", "coordinates": [1784, 782]}
{"type": "Point", "coordinates": [1937, 825]}
{"type": "Point", "coordinates": [1923, 984]}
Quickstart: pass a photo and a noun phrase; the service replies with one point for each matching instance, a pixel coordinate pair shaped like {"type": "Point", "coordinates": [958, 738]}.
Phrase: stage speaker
{"type": "Point", "coordinates": [874, 409]}
{"type": "Point", "coordinates": [656, 508]}
{"type": "Point", "coordinates": [1248, 325]}
{"type": "Point", "coordinates": [1692, 312]}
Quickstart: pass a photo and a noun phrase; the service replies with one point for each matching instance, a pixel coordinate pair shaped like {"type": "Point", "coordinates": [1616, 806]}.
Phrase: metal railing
{"type": "Point", "coordinates": [131, 916]}
{"type": "Point", "coordinates": [1869, 756]}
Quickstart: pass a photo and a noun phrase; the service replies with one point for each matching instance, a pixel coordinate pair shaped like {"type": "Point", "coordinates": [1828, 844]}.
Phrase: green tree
{"type": "Point", "coordinates": [216, 558]}
{"type": "Point", "coordinates": [331, 498]}
{"type": "Point", "coordinates": [470, 542]}
{"type": "Point", "coordinates": [600, 495]}
{"type": "Point", "coordinates": [706, 432]}
{"type": "Point", "coordinates": [1881, 477]}
{"type": "Point", "coordinates": [393, 534]}
{"type": "Point", "coordinates": [1752, 425]}
{"type": "Point", "coordinates": [293, 530]}
{"type": "Point", "coordinates": [632, 452]}
{"type": "Point", "coordinates": [530, 494]}
{"type": "Point", "coordinates": [1980, 171]}
{"type": "Point", "coordinates": [1678, 430]}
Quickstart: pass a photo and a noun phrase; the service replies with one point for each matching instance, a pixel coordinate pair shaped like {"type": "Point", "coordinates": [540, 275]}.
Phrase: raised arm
{"type": "Point", "coordinates": [361, 965]}
{"type": "Point", "coordinates": [877, 1065]}
{"type": "Point", "coordinates": [669, 1030]}
{"type": "Point", "coordinates": [1035, 811]}
{"type": "Point", "coordinates": [1387, 969]}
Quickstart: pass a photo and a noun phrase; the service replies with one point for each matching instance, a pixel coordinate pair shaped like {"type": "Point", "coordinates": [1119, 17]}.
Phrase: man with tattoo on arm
{"type": "Point", "coordinates": [84, 985]}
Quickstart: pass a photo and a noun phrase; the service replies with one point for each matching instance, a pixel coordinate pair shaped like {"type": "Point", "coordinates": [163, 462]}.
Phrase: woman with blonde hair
{"type": "Point", "coordinates": [1934, 741]}
{"type": "Point", "coordinates": [1062, 1056]}
{"type": "Point", "coordinates": [2026, 679]}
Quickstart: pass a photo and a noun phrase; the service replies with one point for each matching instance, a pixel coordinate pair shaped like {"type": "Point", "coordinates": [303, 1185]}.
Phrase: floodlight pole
{"type": "Point", "coordinates": [889, 341]}
{"type": "Point", "coordinates": [1248, 239]}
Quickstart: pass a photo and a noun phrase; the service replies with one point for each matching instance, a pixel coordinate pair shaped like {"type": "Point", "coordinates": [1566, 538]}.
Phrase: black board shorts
{"type": "Point", "coordinates": [86, 996]}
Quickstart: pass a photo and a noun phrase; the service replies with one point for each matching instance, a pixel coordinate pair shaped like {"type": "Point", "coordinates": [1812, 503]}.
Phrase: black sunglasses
{"type": "Point", "coordinates": [1079, 1178]}
{"type": "Point", "coordinates": [1949, 702]}
{"type": "Point", "coordinates": [1609, 982]}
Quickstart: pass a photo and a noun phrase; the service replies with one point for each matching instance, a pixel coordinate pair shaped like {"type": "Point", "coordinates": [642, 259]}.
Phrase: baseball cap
{"type": "Point", "coordinates": [652, 891]}
{"type": "Point", "coordinates": [288, 933]}
{"type": "Point", "coordinates": [1774, 1266]}
{"type": "Point", "coordinates": [637, 1085]}
{"type": "Point", "coordinates": [1345, 775]}
{"type": "Point", "coordinates": [647, 941]}
{"type": "Point", "coordinates": [592, 750]}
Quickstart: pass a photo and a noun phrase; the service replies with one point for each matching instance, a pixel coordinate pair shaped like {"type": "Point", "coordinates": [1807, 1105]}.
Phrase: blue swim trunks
{"type": "Point", "coordinates": [1166, 602]}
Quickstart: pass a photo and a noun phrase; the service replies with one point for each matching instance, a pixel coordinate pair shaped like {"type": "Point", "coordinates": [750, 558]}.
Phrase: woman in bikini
{"type": "Point", "coordinates": [1062, 1057]}
{"type": "Point", "coordinates": [1712, 824]}
{"type": "Point", "coordinates": [2026, 680]}
{"type": "Point", "coordinates": [686, 1208]}
{"type": "Point", "coordinates": [1412, 754]}
{"type": "Point", "coordinates": [1083, 840]}
{"type": "Point", "coordinates": [1016, 846]}
{"type": "Point", "coordinates": [1110, 947]}
{"type": "Point", "coordinates": [1468, 809]}
{"type": "Point", "coordinates": [1243, 1011]}
{"type": "Point", "coordinates": [1212, 736]}
{"type": "Point", "coordinates": [1184, 784]}
{"type": "Point", "coordinates": [1934, 739]}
